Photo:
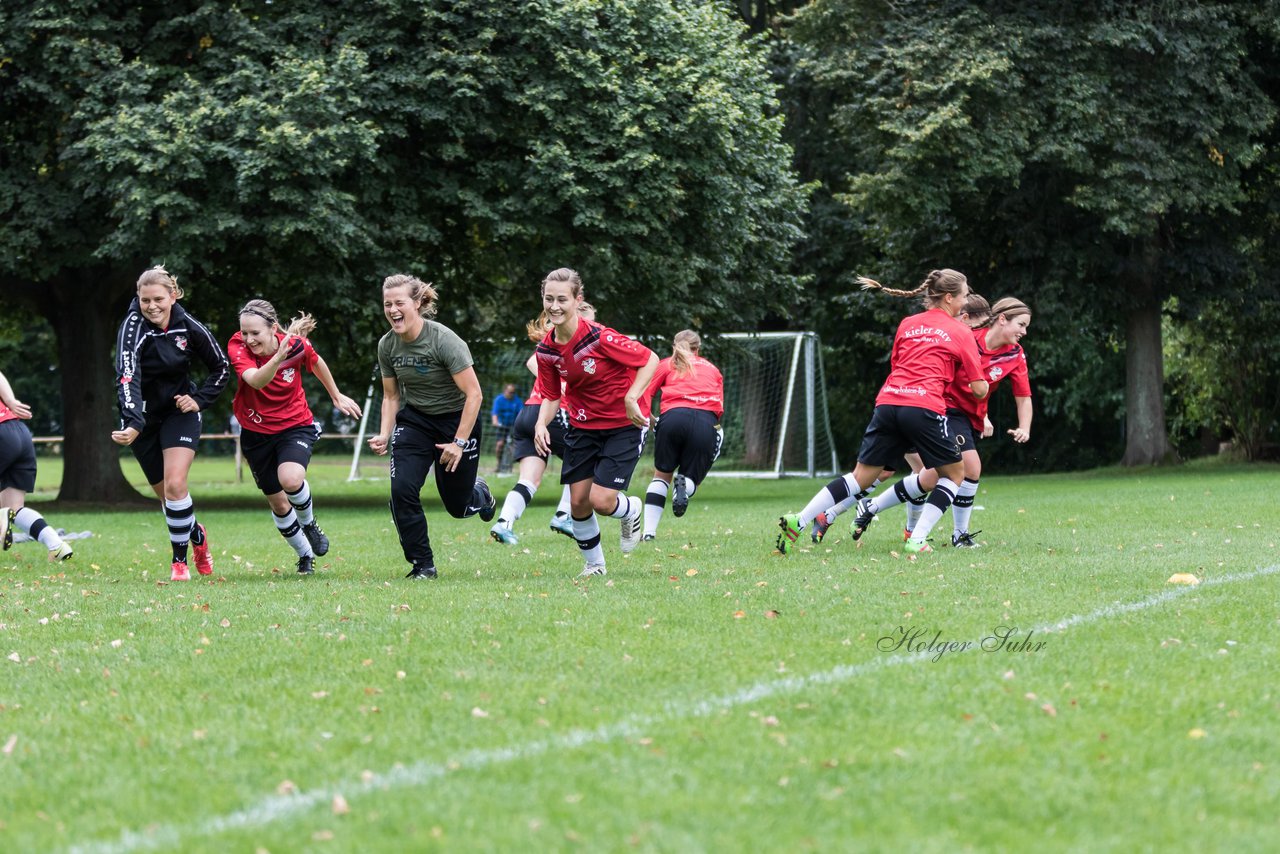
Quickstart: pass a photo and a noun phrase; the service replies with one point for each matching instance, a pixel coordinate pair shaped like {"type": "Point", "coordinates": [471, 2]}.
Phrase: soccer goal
{"type": "Point", "coordinates": [776, 421]}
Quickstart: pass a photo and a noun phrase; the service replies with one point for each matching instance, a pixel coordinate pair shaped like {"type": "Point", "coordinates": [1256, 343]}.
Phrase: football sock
{"type": "Point", "coordinates": [516, 501]}
{"type": "Point", "coordinates": [180, 515]}
{"type": "Point", "coordinates": [833, 493]}
{"type": "Point", "coordinates": [587, 533]}
{"type": "Point", "coordinates": [291, 530]}
{"type": "Point", "coordinates": [622, 509]}
{"type": "Point", "coordinates": [962, 507]}
{"type": "Point", "coordinates": [36, 527]}
{"type": "Point", "coordinates": [655, 501]}
{"type": "Point", "coordinates": [939, 500]}
{"type": "Point", "coordinates": [301, 501]}
{"type": "Point", "coordinates": [563, 508]}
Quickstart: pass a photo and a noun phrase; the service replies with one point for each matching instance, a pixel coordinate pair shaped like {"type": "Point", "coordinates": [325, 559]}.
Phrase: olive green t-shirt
{"type": "Point", "coordinates": [425, 367]}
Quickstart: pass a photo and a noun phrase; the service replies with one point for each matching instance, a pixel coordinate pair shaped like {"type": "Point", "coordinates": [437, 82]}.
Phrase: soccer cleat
{"type": "Point", "coordinates": [648, 538]}
{"type": "Point", "coordinates": [306, 565]}
{"type": "Point", "coordinates": [821, 523]}
{"type": "Point", "coordinates": [631, 526]}
{"type": "Point", "coordinates": [319, 542]}
{"type": "Point", "coordinates": [791, 531]}
{"type": "Point", "coordinates": [6, 527]}
{"type": "Point", "coordinates": [488, 504]}
{"type": "Point", "coordinates": [592, 569]}
{"type": "Point", "coordinates": [680, 496]}
{"type": "Point", "coordinates": [966, 540]}
{"type": "Point", "coordinates": [917, 546]}
{"type": "Point", "coordinates": [906, 534]}
{"type": "Point", "coordinates": [204, 561]}
{"type": "Point", "coordinates": [562, 524]}
{"type": "Point", "coordinates": [865, 514]}
{"type": "Point", "coordinates": [502, 534]}
{"type": "Point", "coordinates": [179, 571]}
{"type": "Point", "coordinates": [62, 552]}
{"type": "Point", "coordinates": [419, 572]}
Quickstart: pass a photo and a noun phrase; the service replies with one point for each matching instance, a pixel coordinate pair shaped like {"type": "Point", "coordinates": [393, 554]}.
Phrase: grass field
{"type": "Point", "coordinates": [707, 695]}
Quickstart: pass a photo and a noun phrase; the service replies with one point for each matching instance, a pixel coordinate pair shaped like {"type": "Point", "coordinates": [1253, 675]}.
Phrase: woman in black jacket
{"type": "Point", "coordinates": [160, 405]}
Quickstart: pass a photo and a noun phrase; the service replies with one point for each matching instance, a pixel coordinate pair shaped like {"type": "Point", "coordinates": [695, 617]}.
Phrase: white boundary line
{"type": "Point", "coordinates": [277, 807]}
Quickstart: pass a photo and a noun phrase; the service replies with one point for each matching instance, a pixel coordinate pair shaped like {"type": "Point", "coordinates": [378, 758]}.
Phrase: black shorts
{"type": "Point", "coordinates": [522, 433]}
{"type": "Point", "coordinates": [894, 430]}
{"type": "Point", "coordinates": [962, 428]}
{"type": "Point", "coordinates": [689, 440]}
{"type": "Point", "coordinates": [174, 430]}
{"type": "Point", "coordinates": [17, 457]}
{"type": "Point", "coordinates": [607, 457]}
{"type": "Point", "coordinates": [266, 452]}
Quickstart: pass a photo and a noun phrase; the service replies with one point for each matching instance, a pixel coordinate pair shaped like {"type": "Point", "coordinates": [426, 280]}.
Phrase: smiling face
{"type": "Point", "coordinates": [1008, 330]}
{"type": "Point", "coordinates": [156, 303]}
{"type": "Point", "coordinates": [259, 335]}
{"type": "Point", "coordinates": [561, 307]}
{"type": "Point", "coordinates": [401, 311]}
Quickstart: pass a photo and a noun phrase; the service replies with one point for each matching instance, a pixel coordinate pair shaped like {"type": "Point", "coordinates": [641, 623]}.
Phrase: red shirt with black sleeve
{"type": "Point", "coordinates": [930, 350]}
{"type": "Point", "coordinates": [280, 404]}
{"type": "Point", "coordinates": [598, 366]}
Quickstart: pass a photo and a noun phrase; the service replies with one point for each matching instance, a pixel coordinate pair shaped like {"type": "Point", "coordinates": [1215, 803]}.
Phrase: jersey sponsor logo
{"type": "Point", "coordinates": [589, 366]}
{"type": "Point", "coordinates": [180, 341]}
{"type": "Point", "coordinates": [898, 389]}
{"type": "Point", "coordinates": [921, 331]}
{"type": "Point", "coordinates": [287, 375]}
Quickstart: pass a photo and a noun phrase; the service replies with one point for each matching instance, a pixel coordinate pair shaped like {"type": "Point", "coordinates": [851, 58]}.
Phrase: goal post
{"type": "Point", "coordinates": [776, 410]}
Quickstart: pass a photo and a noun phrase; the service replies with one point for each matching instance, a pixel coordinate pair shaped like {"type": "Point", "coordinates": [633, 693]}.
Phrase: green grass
{"type": "Point", "coordinates": [707, 696]}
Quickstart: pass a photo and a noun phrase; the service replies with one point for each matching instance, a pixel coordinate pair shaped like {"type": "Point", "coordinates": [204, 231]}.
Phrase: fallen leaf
{"type": "Point", "coordinates": [10, 744]}
{"type": "Point", "coordinates": [1197, 733]}
{"type": "Point", "coordinates": [225, 623]}
{"type": "Point", "coordinates": [772, 615]}
{"type": "Point", "coordinates": [1049, 710]}
{"type": "Point", "coordinates": [1182, 578]}
{"type": "Point", "coordinates": [691, 572]}
{"type": "Point", "coordinates": [478, 712]}
{"type": "Point", "coordinates": [737, 615]}
{"type": "Point", "coordinates": [340, 805]}
{"type": "Point", "coordinates": [286, 787]}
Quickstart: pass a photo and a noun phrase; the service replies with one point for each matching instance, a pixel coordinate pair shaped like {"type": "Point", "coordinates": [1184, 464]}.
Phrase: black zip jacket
{"type": "Point", "coordinates": [153, 365]}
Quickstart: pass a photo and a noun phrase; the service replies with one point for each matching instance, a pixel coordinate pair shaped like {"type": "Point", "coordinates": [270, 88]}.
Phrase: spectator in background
{"type": "Point", "coordinates": [506, 408]}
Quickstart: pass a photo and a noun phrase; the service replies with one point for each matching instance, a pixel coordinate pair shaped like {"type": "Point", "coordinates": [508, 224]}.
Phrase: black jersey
{"type": "Point", "coordinates": [153, 365]}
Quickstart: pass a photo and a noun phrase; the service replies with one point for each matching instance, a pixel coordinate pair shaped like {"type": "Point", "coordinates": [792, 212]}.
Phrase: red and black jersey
{"type": "Point", "coordinates": [1007, 362]}
{"type": "Point", "coordinates": [281, 404]}
{"type": "Point", "coordinates": [598, 366]}
{"type": "Point", "coordinates": [153, 365]}
{"type": "Point", "coordinates": [7, 414]}
{"type": "Point", "coordinates": [701, 387]}
{"type": "Point", "coordinates": [930, 350]}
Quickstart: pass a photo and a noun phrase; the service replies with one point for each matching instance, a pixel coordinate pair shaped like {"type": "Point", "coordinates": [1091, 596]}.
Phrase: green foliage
{"type": "Point", "coordinates": [301, 155]}
{"type": "Point", "coordinates": [1090, 158]}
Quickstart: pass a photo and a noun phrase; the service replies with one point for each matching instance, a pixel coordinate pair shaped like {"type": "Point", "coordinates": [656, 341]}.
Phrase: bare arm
{"type": "Point", "coordinates": [341, 402]}
{"type": "Point", "coordinates": [380, 443]}
{"type": "Point", "coordinates": [8, 398]}
{"type": "Point", "coordinates": [1022, 432]}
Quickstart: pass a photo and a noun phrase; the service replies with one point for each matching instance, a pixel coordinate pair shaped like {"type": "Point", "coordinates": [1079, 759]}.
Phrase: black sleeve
{"type": "Point", "coordinates": [211, 353]}
{"type": "Point", "coordinates": [129, 372]}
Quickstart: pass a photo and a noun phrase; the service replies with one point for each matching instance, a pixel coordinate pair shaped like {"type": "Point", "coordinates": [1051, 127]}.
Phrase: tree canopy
{"type": "Point", "coordinates": [302, 153]}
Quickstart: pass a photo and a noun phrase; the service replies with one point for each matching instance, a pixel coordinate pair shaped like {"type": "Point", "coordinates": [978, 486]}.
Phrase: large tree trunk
{"type": "Point", "coordinates": [79, 309]}
{"type": "Point", "coordinates": [1146, 436]}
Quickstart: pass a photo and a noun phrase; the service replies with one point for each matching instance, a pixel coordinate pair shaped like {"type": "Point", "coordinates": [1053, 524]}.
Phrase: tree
{"type": "Point", "coordinates": [264, 149]}
{"type": "Point", "coordinates": [1087, 155]}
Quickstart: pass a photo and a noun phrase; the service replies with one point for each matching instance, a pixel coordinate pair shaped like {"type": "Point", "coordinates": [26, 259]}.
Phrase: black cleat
{"type": "Point", "coordinates": [488, 504]}
{"type": "Point", "coordinates": [863, 520]}
{"type": "Point", "coordinates": [422, 572]}
{"type": "Point", "coordinates": [680, 496]}
{"type": "Point", "coordinates": [306, 565]}
{"type": "Point", "coordinates": [966, 540]}
{"type": "Point", "coordinates": [315, 536]}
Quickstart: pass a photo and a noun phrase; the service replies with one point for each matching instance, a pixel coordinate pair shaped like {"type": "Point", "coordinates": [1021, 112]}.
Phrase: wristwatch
{"type": "Point", "coordinates": [461, 443]}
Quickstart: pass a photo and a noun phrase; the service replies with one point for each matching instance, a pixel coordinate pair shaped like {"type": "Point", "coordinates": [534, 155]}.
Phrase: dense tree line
{"type": "Point", "coordinates": [725, 165]}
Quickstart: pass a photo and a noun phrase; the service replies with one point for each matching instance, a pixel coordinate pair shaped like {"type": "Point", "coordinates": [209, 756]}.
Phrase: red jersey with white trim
{"type": "Point", "coordinates": [1007, 362]}
{"type": "Point", "coordinates": [280, 404]}
{"type": "Point", "coordinates": [6, 414]}
{"type": "Point", "coordinates": [930, 350]}
{"type": "Point", "coordinates": [702, 387]}
{"type": "Point", "coordinates": [598, 366]}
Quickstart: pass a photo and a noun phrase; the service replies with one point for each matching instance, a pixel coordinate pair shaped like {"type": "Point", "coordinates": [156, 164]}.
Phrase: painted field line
{"type": "Point", "coordinates": [277, 807]}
